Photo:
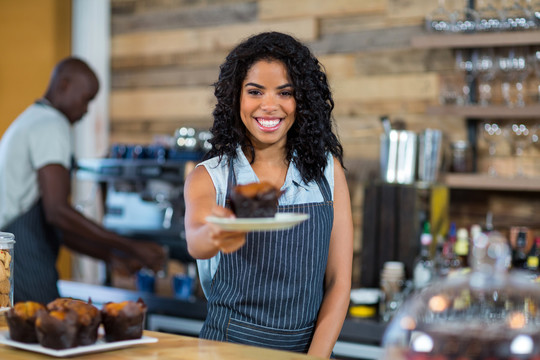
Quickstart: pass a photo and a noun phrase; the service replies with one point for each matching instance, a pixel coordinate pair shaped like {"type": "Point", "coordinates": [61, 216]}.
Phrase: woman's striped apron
{"type": "Point", "coordinates": [268, 293]}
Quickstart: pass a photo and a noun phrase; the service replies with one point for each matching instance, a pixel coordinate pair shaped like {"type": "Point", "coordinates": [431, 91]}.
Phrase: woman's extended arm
{"type": "Point", "coordinates": [338, 271]}
{"type": "Point", "coordinates": [204, 239]}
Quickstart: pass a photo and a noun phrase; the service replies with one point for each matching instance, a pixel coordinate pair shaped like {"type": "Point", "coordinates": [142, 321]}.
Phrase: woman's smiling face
{"type": "Point", "coordinates": [267, 104]}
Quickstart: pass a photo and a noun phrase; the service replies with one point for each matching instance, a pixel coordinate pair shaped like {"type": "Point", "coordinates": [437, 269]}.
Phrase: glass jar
{"type": "Point", "coordinates": [392, 281]}
{"type": "Point", "coordinates": [486, 314]}
{"type": "Point", "coordinates": [461, 157]}
{"type": "Point", "coordinates": [7, 242]}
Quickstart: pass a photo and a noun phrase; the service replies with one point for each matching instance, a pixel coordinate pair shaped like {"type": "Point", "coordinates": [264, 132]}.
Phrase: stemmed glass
{"type": "Point", "coordinates": [450, 92]}
{"type": "Point", "coordinates": [515, 68]}
{"type": "Point", "coordinates": [486, 69]}
{"type": "Point", "coordinates": [519, 136]}
{"type": "Point", "coordinates": [522, 69]}
{"type": "Point", "coordinates": [464, 66]}
{"type": "Point", "coordinates": [535, 136]}
{"type": "Point", "coordinates": [534, 6]}
{"type": "Point", "coordinates": [535, 64]}
{"type": "Point", "coordinates": [492, 134]}
{"type": "Point", "coordinates": [441, 19]}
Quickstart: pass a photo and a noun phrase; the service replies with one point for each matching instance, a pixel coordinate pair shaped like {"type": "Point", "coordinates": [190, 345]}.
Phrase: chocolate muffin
{"type": "Point", "coordinates": [57, 329]}
{"type": "Point", "coordinates": [21, 320]}
{"type": "Point", "coordinates": [88, 318]}
{"type": "Point", "coordinates": [255, 200]}
{"type": "Point", "coordinates": [123, 320]}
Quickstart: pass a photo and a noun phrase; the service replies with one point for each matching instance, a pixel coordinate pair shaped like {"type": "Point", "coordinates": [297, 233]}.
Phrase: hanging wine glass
{"type": "Point", "coordinates": [492, 134]}
{"type": "Point", "coordinates": [489, 17]}
{"type": "Point", "coordinates": [466, 18]}
{"type": "Point", "coordinates": [536, 11]}
{"type": "Point", "coordinates": [440, 20]}
{"type": "Point", "coordinates": [533, 6]}
{"type": "Point", "coordinates": [516, 17]}
{"type": "Point", "coordinates": [519, 137]}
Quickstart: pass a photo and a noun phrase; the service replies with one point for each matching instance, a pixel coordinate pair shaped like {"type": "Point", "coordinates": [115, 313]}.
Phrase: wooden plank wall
{"type": "Point", "coordinates": [166, 54]}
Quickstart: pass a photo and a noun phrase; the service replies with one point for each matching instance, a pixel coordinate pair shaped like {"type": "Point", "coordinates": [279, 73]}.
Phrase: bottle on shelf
{"type": "Point", "coordinates": [476, 232]}
{"type": "Point", "coordinates": [462, 248]}
{"type": "Point", "coordinates": [450, 261]}
{"type": "Point", "coordinates": [489, 222]}
{"type": "Point", "coordinates": [519, 249]}
{"type": "Point", "coordinates": [533, 260]}
{"type": "Point", "coordinates": [424, 267]}
{"type": "Point", "coordinates": [439, 255]}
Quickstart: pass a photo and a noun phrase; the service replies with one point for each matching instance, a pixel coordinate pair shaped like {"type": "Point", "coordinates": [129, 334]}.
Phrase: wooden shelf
{"type": "Point", "coordinates": [488, 112]}
{"type": "Point", "coordinates": [485, 182]}
{"type": "Point", "coordinates": [476, 40]}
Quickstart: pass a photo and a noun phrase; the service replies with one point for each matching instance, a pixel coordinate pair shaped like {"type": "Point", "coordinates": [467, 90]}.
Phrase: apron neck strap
{"type": "Point", "coordinates": [231, 182]}
{"type": "Point", "coordinates": [325, 188]}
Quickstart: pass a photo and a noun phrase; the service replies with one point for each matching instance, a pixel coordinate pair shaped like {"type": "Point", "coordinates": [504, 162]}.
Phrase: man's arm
{"type": "Point", "coordinates": [82, 234]}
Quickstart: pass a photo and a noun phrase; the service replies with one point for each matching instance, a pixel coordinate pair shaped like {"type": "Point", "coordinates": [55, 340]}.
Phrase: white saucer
{"type": "Point", "coordinates": [281, 221]}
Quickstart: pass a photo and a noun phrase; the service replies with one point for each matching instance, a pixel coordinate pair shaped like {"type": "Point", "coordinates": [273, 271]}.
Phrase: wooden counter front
{"type": "Point", "coordinates": [168, 347]}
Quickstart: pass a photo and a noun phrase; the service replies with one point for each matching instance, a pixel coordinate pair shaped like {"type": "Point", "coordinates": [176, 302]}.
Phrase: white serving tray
{"type": "Point", "coordinates": [99, 346]}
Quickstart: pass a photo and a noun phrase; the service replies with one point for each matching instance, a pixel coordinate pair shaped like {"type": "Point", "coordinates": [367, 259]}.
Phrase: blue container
{"type": "Point", "coordinates": [146, 280]}
{"type": "Point", "coordinates": [182, 286]}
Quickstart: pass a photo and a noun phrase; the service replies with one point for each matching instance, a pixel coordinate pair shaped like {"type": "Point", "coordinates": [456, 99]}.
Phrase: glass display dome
{"type": "Point", "coordinates": [487, 314]}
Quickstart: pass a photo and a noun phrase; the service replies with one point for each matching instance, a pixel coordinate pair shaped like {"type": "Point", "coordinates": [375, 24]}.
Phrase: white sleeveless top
{"type": "Point", "coordinates": [295, 191]}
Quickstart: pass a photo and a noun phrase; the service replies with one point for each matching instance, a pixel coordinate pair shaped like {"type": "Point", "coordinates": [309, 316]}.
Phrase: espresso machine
{"type": "Point", "coordinates": [142, 188]}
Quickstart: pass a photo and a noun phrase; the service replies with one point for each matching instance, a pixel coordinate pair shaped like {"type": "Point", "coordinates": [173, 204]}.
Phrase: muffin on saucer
{"type": "Point", "coordinates": [255, 200]}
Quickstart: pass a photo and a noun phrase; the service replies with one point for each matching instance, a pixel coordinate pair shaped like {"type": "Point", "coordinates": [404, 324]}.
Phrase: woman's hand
{"type": "Point", "coordinates": [226, 241]}
{"type": "Point", "coordinates": [205, 239]}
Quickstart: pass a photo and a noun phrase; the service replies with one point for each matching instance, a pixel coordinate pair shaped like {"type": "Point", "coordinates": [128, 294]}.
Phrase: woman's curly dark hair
{"type": "Point", "coordinates": [310, 138]}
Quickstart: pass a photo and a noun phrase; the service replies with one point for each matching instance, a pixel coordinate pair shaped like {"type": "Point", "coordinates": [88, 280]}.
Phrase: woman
{"type": "Point", "coordinates": [284, 289]}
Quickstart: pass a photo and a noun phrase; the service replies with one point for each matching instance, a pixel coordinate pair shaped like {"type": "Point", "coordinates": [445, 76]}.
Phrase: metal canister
{"type": "Point", "coordinates": [398, 156]}
{"type": "Point", "coordinates": [429, 155]}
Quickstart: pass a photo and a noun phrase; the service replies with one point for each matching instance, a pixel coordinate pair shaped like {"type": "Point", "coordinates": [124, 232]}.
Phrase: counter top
{"type": "Point", "coordinates": [359, 337]}
{"type": "Point", "coordinates": [354, 330]}
{"type": "Point", "coordinates": [169, 347]}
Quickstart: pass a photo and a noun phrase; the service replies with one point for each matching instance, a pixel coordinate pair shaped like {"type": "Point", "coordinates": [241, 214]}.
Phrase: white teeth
{"type": "Point", "coordinates": [268, 123]}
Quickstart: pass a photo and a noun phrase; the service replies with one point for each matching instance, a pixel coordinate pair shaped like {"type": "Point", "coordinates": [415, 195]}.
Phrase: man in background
{"type": "Point", "coordinates": [35, 188]}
